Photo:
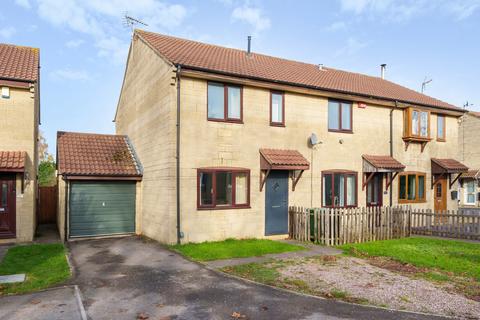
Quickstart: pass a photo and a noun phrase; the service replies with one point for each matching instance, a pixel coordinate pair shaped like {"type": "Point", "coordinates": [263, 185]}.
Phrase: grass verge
{"type": "Point", "coordinates": [43, 264]}
{"type": "Point", "coordinates": [231, 248]}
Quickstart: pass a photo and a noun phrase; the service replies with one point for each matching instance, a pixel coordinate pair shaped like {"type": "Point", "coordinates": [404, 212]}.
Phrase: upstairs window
{"type": "Point", "coordinates": [5, 92]}
{"type": "Point", "coordinates": [224, 102]}
{"type": "Point", "coordinates": [417, 124]}
{"type": "Point", "coordinates": [411, 187]}
{"type": "Point", "coordinates": [223, 188]}
{"type": "Point", "coordinates": [339, 189]}
{"type": "Point", "coordinates": [277, 109]}
{"type": "Point", "coordinates": [339, 116]}
{"type": "Point", "coordinates": [440, 128]}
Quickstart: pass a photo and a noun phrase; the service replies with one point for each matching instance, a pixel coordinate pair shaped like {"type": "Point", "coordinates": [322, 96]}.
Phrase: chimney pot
{"type": "Point", "coordinates": [249, 47]}
{"type": "Point", "coordinates": [383, 66]}
{"type": "Point", "coordinates": [320, 66]}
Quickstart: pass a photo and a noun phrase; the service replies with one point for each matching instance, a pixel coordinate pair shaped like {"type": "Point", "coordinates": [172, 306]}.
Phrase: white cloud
{"type": "Point", "coordinates": [23, 3]}
{"type": "Point", "coordinates": [7, 32]}
{"type": "Point", "coordinates": [70, 74]}
{"type": "Point", "coordinates": [74, 43]}
{"type": "Point", "coordinates": [351, 48]}
{"type": "Point", "coordinates": [102, 20]}
{"type": "Point", "coordinates": [403, 10]}
{"type": "Point", "coordinates": [252, 16]}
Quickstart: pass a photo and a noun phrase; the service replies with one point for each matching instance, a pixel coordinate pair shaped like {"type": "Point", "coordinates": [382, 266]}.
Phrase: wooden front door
{"type": "Point", "coordinates": [7, 206]}
{"type": "Point", "coordinates": [440, 198]}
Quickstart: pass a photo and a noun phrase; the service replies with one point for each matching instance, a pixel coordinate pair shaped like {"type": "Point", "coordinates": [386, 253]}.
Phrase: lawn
{"type": "Point", "coordinates": [43, 264]}
{"type": "Point", "coordinates": [458, 257]}
{"type": "Point", "coordinates": [231, 248]}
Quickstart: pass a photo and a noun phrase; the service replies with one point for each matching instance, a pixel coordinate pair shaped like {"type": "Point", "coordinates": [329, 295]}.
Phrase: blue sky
{"type": "Point", "coordinates": [84, 44]}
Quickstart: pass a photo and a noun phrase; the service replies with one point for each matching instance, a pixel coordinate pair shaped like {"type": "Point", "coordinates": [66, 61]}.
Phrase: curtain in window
{"type": "Point", "coordinates": [234, 103]}
{"type": "Point", "coordinates": [411, 187]}
{"type": "Point", "coordinates": [415, 123]}
{"type": "Point", "coordinates": [206, 186]}
{"type": "Point", "coordinates": [216, 107]}
{"type": "Point", "coordinates": [327, 190]}
{"type": "Point", "coordinates": [339, 189]}
{"type": "Point", "coordinates": [241, 188]}
{"type": "Point", "coordinates": [351, 191]}
{"type": "Point", "coordinates": [277, 106]}
{"type": "Point", "coordinates": [424, 124]}
{"type": "Point", "coordinates": [403, 187]}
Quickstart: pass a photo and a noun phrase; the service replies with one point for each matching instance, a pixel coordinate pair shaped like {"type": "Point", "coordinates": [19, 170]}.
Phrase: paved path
{"type": "Point", "coordinates": [124, 277]}
{"type": "Point", "coordinates": [311, 251]}
{"type": "Point", "coordinates": [51, 304]}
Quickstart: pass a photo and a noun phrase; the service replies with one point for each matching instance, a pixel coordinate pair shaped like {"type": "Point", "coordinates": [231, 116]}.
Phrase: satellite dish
{"type": "Point", "coordinates": [313, 139]}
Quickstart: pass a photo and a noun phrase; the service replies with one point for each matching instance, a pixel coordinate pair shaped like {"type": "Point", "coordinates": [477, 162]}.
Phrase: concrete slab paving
{"type": "Point", "coordinates": [53, 304]}
{"type": "Point", "coordinates": [12, 278]}
{"type": "Point", "coordinates": [123, 278]}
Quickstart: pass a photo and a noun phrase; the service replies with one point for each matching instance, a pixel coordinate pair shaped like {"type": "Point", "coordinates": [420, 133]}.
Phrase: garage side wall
{"type": "Point", "coordinates": [61, 207]}
{"type": "Point", "coordinates": [146, 113]}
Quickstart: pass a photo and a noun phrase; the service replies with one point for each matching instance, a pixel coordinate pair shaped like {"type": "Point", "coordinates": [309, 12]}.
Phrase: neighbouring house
{"type": "Point", "coordinates": [228, 139]}
{"type": "Point", "coordinates": [469, 191]}
{"type": "Point", "coordinates": [98, 185]}
{"type": "Point", "coordinates": [19, 121]}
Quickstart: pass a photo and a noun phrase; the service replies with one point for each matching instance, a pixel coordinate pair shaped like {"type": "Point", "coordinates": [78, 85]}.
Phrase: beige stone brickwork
{"type": "Point", "coordinates": [19, 132]}
{"type": "Point", "coordinates": [469, 148]}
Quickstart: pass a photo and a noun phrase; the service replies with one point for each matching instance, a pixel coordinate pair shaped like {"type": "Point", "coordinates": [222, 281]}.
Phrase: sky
{"type": "Point", "coordinates": [84, 44]}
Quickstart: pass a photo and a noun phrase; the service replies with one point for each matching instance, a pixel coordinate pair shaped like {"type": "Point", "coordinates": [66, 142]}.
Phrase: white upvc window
{"type": "Point", "coordinates": [469, 187]}
{"type": "Point", "coordinates": [5, 92]}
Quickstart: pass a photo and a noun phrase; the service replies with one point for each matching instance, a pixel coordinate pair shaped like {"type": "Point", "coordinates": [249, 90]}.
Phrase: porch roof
{"type": "Point", "coordinates": [440, 166]}
{"type": "Point", "coordinates": [376, 163]}
{"type": "Point", "coordinates": [12, 161]}
{"type": "Point", "coordinates": [278, 159]}
{"type": "Point", "coordinates": [471, 174]}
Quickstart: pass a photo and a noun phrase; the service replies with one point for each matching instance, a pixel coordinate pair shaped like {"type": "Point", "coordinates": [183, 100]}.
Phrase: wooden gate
{"type": "Point", "coordinates": [47, 205]}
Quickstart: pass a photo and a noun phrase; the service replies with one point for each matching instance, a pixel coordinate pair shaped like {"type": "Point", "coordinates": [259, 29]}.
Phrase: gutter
{"type": "Point", "coordinates": [179, 232]}
{"type": "Point", "coordinates": [65, 233]}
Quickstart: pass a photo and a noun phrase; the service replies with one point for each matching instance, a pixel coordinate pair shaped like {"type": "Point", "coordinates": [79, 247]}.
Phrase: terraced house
{"type": "Point", "coordinates": [228, 139]}
{"type": "Point", "coordinates": [19, 120]}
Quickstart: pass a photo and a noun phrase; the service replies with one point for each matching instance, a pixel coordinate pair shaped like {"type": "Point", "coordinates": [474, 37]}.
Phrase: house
{"type": "Point", "coordinates": [98, 180]}
{"type": "Point", "coordinates": [19, 121]}
{"type": "Point", "coordinates": [228, 139]}
{"type": "Point", "coordinates": [469, 191]}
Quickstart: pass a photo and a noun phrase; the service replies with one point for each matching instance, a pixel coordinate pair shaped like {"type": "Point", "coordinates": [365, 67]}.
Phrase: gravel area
{"type": "Point", "coordinates": [381, 287]}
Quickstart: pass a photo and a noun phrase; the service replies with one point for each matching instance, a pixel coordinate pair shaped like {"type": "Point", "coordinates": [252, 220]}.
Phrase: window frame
{"type": "Point", "coordinates": [234, 171]}
{"type": "Point", "coordinates": [225, 103]}
{"type": "Point", "coordinates": [444, 138]}
{"type": "Point", "coordinates": [345, 173]}
{"type": "Point", "coordinates": [466, 193]}
{"type": "Point", "coordinates": [274, 123]}
{"type": "Point", "coordinates": [408, 129]}
{"type": "Point", "coordinates": [417, 189]}
{"type": "Point", "coordinates": [340, 122]}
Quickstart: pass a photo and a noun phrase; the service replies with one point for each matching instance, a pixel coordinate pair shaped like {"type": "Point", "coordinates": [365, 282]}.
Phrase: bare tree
{"type": "Point", "coordinates": [42, 147]}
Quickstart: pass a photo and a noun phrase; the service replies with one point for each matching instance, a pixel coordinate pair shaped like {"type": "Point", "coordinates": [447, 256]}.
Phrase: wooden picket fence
{"type": "Point", "coordinates": [340, 226]}
{"type": "Point", "coordinates": [450, 224]}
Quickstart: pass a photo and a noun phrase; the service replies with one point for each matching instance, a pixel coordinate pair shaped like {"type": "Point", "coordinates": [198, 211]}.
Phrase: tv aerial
{"type": "Point", "coordinates": [131, 22]}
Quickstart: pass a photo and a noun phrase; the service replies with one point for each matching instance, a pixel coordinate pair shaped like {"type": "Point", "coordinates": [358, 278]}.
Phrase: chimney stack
{"type": "Point", "coordinates": [249, 45]}
{"type": "Point", "coordinates": [382, 68]}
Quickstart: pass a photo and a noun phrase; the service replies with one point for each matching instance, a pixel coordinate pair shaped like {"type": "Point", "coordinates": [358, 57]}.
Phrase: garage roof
{"type": "Point", "coordinates": [87, 154]}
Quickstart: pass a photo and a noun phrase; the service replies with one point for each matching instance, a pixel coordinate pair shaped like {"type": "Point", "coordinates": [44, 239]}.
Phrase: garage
{"type": "Point", "coordinates": [101, 208]}
{"type": "Point", "coordinates": [98, 181]}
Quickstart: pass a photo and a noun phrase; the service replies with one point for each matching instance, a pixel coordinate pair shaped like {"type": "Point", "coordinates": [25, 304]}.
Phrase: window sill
{"type": "Point", "coordinates": [226, 121]}
{"type": "Point", "coordinates": [416, 139]}
{"type": "Point", "coordinates": [344, 207]}
{"type": "Point", "coordinates": [441, 140]}
{"type": "Point", "coordinates": [224, 208]}
{"type": "Point", "coordinates": [412, 201]}
{"type": "Point", "coordinates": [275, 124]}
{"type": "Point", "coordinates": [340, 131]}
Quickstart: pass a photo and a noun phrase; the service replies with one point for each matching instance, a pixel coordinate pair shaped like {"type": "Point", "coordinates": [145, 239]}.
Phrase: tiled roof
{"type": "Point", "coordinates": [450, 165]}
{"type": "Point", "coordinates": [472, 174]}
{"type": "Point", "coordinates": [384, 162]}
{"type": "Point", "coordinates": [95, 155]}
{"type": "Point", "coordinates": [12, 161]}
{"type": "Point", "coordinates": [212, 58]}
{"type": "Point", "coordinates": [285, 158]}
{"type": "Point", "coordinates": [19, 63]}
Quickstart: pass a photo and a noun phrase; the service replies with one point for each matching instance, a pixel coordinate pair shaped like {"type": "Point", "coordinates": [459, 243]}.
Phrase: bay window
{"type": "Point", "coordinates": [339, 189]}
{"type": "Point", "coordinates": [224, 102]}
{"type": "Point", "coordinates": [411, 187]}
{"type": "Point", "coordinates": [339, 116]}
{"type": "Point", "coordinates": [417, 124]}
{"type": "Point", "coordinates": [277, 109]}
{"type": "Point", "coordinates": [223, 188]}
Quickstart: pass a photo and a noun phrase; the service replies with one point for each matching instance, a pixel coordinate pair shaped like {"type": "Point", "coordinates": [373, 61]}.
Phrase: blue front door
{"type": "Point", "coordinates": [276, 203]}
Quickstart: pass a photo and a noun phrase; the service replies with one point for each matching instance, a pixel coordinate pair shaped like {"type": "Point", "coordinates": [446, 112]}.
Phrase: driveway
{"type": "Point", "coordinates": [130, 278]}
